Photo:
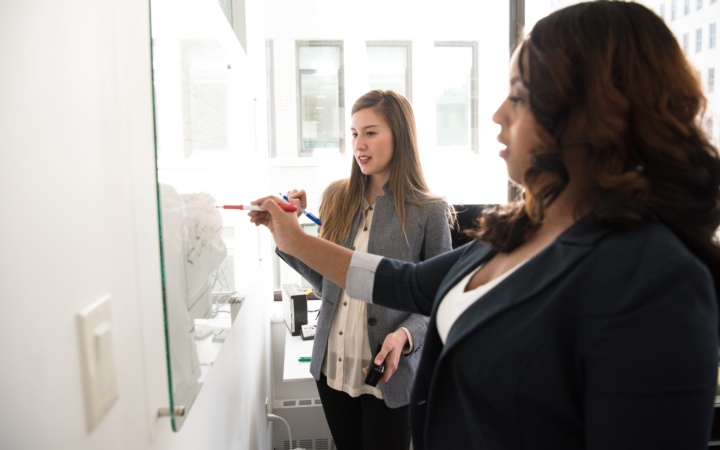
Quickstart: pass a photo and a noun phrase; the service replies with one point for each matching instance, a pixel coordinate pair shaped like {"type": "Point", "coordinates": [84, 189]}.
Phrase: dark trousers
{"type": "Point", "coordinates": [364, 423]}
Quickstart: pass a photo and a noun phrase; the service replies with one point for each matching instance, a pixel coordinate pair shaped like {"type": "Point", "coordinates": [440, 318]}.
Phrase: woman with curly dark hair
{"type": "Point", "coordinates": [584, 315]}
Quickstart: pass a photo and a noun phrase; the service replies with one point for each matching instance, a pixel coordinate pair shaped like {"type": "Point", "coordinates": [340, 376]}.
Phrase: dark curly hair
{"type": "Point", "coordinates": [616, 70]}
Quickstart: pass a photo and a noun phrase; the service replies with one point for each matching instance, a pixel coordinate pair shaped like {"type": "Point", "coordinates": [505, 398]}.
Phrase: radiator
{"type": "Point", "coordinates": [307, 424]}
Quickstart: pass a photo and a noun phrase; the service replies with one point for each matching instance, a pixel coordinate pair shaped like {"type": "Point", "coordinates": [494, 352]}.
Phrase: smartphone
{"type": "Point", "coordinates": [375, 372]}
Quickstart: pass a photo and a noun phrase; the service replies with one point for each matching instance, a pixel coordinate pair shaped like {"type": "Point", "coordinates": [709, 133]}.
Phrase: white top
{"type": "Point", "coordinates": [457, 300]}
{"type": "Point", "coordinates": [360, 281]}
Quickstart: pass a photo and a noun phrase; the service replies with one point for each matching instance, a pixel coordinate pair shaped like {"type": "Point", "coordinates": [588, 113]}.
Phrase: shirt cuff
{"type": "Point", "coordinates": [361, 276]}
{"type": "Point", "coordinates": [409, 346]}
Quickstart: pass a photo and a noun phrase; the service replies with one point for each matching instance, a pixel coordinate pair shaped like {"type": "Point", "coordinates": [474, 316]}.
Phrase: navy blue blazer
{"type": "Point", "coordinates": [604, 340]}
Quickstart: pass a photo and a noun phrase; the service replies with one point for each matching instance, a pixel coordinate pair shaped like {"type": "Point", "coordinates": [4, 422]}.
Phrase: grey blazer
{"type": "Point", "coordinates": [428, 234]}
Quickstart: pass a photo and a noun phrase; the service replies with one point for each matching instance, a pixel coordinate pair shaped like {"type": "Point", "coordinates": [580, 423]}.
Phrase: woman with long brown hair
{"type": "Point", "coordinates": [385, 208]}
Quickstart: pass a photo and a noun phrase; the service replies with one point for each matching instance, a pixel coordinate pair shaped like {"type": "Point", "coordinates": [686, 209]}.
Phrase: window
{"type": "Point", "coordinates": [709, 125]}
{"type": "Point", "coordinates": [673, 9]}
{"type": "Point", "coordinates": [662, 11]}
{"type": "Point", "coordinates": [699, 4]}
{"type": "Point", "coordinates": [389, 66]}
{"type": "Point", "coordinates": [698, 40]}
{"type": "Point", "coordinates": [686, 9]}
{"type": "Point", "coordinates": [320, 96]}
{"type": "Point", "coordinates": [456, 95]}
{"type": "Point", "coordinates": [270, 75]}
{"type": "Point", "coordinates": [712, 33]}
{"type": "Point", "coordinates": [711, 80]}
{"type": "Point", "coordinates": [686, 42]}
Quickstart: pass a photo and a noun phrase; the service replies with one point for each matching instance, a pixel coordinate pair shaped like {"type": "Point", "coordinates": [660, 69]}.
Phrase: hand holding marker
{"type": "Point", "coordinates": [288, 207]}
{"type": "Point", "coordinates": [310, 216]}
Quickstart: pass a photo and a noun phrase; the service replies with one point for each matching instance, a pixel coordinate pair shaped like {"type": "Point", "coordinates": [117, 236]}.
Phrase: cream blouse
{"type": "Point", "coordinates": [348, 349]}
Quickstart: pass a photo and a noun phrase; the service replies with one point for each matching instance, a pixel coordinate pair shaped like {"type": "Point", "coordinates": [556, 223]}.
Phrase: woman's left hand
{"type": "Point", "coordinates": [391, 352]}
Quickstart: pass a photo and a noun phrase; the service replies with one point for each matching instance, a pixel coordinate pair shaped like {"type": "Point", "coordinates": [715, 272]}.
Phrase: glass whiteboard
{"type": "Point", "coordinates": [203, 131]}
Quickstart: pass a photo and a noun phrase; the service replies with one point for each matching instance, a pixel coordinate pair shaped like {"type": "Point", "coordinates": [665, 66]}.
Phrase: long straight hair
{"type": "Point", "coordinates": [342, 199]}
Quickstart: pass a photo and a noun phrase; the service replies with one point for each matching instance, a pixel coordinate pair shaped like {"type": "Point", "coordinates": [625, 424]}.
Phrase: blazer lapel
{"type": "Point", "coordinates": [523, 285]}
{"type": "Point", "coordinates": [476, 254]}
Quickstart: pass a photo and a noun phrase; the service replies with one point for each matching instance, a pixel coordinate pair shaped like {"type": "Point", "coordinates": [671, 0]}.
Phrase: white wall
{"type": "Point", "coordinates": [79, 221]}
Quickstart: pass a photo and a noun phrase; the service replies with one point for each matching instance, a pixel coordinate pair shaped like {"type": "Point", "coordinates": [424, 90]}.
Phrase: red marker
{"type": "Point", "coordinates": [289, 207]}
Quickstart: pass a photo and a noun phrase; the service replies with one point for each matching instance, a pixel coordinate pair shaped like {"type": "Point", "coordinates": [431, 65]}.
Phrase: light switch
{"type": "Point", "coordinates": [98, 359]}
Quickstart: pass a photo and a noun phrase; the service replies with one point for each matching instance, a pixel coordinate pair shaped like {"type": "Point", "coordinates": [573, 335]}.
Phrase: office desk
{"type": "Point", "coordinates": [295, 347]}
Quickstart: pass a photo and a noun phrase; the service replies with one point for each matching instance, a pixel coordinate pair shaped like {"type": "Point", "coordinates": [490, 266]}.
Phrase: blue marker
{"type": "Point", "coordinates": [310, 216]}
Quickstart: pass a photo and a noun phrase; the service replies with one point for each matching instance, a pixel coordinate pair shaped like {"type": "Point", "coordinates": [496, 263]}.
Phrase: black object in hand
{"type": "Point", "coordinates": [375, 372]}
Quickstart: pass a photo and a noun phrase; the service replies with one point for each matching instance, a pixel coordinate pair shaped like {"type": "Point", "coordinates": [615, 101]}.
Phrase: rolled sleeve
{"type": "Point", "coordinates": [361, 276]}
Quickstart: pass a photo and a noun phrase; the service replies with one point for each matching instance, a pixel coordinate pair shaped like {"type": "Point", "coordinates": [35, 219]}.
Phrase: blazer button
{"type": "Point", "coordinates": [372, 321]}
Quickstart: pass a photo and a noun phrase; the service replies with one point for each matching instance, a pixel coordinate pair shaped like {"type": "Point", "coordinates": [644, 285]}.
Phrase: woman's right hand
{"type": "Point", "coordinates": [284, 226]}
{"type": "Point", "coordinates": [326, 258]}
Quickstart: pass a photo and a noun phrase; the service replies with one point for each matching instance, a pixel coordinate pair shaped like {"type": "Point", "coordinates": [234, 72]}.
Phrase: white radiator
{"type": "Point", "coordinates": [307, 424]}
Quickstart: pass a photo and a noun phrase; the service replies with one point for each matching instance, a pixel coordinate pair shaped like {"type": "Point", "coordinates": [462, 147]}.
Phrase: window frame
{"type": "Point", "coordinates": [302, 151]}
{"type": "Point", "coordinates": [474, 90]}
{"type": "Point", "coordinates": [712, 35]}
{"type": "Point", "coordinates": [271, 113]}
{"type": "Point", "coordinates": [408, 62]}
